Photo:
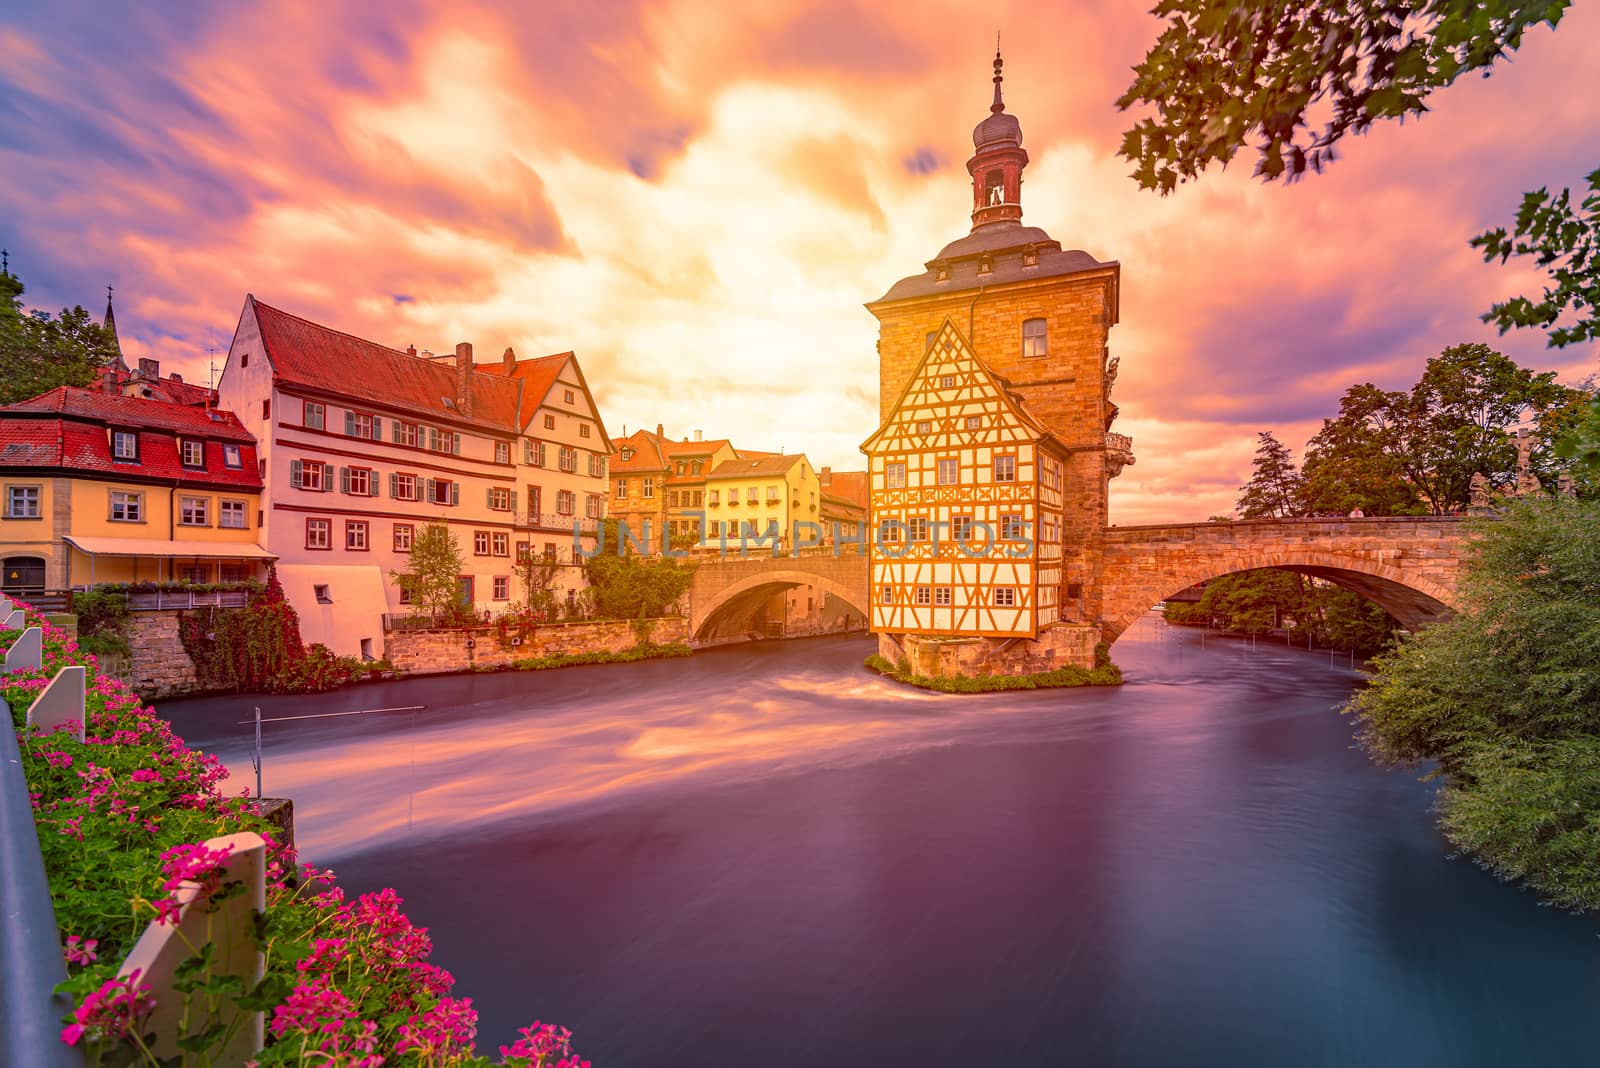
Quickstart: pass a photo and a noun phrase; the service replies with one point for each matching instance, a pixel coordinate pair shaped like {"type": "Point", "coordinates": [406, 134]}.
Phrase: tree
{"type": "Point", "coordinates": [433, 583]}
{"type": "Point", "coordinates": [39, 353]}
{"type": "Point", "coordinates": [1275, 489]}
{"type": "Point", "coordinates": [538, 576]}
{"type": "Point", "coordinates": [628, 586]}
{"type": "Point", "coordinates": [1226, 73]}
{"type": "Point", "coordinates": [1505, 697]}
{"type": "Point", "coordinates": [1566, 243]}
{"type": "Point", "coordinates": [1392, 453]}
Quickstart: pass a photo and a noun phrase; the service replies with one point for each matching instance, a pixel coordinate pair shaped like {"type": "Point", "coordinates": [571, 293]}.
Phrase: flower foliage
{"type": "Point", "coordinates": [346, 983]}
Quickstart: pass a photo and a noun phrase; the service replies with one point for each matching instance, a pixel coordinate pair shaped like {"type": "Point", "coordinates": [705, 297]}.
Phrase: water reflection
{"type": "Point", "coordinates": [764, 855]}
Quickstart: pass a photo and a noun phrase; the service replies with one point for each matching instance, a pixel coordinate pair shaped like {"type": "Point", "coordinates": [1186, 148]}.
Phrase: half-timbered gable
{"type": "Point", "coordinates": [966, 504]}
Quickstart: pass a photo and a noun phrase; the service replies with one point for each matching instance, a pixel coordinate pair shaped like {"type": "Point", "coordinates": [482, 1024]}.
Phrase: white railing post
{"type": "Point", "coordinates": [61, 701]}
{"type": "Point", "coordinates": [26, 652]}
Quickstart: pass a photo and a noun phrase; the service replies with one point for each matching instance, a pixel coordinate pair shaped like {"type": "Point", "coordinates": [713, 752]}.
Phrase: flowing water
{"type": "Point", "coordinates": [766, 856]}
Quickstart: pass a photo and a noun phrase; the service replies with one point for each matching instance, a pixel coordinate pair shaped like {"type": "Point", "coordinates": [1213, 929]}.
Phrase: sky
{"type": "Point", "coordinates": [698, 198]}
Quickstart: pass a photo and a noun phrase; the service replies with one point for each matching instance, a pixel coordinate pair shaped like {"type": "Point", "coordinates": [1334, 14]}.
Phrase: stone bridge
{"type": "Point", "coordinates": [732, 597]}
{"type": "Point", "coordinates": [1406, 564]}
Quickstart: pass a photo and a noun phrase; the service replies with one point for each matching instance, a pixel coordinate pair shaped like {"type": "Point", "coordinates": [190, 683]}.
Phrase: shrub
{"type": "Point", "coordinates": [1104, 673]}
{"type": "Point", "coordinates": [102, 620]}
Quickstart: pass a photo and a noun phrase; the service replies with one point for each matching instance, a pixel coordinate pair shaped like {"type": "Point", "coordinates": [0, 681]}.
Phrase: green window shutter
{"type": "Point", "coordinates": [394, 429]}
{"type": "Point", "coordinates": [350, 422]}
{"type": "Point", "coordinates": [394, 484]}
{"type": "Point", "coordinates": [455, 444]}
{"type": "Point", "coordinates": [489, 494]}
{"type": "Point", "coordinates": [455, 493]}
{"type": "Point", "coordinates": [344, 480]}
{"type": "Point", "coordinates": [428, 492]}
{"type": "Point", "coordinates": [377, 429]}
{"type": "Point", "coordinates": [296, 473]}
{"type": "Point", "coordinates": [372, 483]}
{"type": "Point", "coordinates": [513, 500]}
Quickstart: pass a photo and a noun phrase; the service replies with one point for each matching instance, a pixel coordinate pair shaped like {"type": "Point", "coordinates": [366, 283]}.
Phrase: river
{"type": "Point", "coordinates": [766, 856]}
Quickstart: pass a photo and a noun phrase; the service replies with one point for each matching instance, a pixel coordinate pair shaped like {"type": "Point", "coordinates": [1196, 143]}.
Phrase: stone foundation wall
{"type": "Point", "coordinates": [159, 666]}
{"type": "Point", "coordinates": [421, 652]}
{"type": "Point", "coordinates": [1058, 646]}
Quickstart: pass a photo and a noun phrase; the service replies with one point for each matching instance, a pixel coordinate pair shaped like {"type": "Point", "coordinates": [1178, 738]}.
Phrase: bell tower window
{"type": "Point", "coordinates": [995, 188]}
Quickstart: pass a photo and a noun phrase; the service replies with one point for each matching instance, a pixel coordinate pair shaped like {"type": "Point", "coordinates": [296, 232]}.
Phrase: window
{"type": "Point", "coordinates": [127, 507]}
{"type": "Point", "coordinates": [931, 336]}
{"type": "Point", "coordinates": [550, 552]}
{"type": "Point", "coordinates": [1035, 338]}
{"type": "Point", "coordinates": [696, 467]}
{"type": "Point", "coordinates": [502, 543]}
{"type": "Point", "coordinates": [318, 531]}
{"type": "Point", "coordinates": [308, 475]}
{"type": "Point", "coordinates": [231, 457]}
{"type": "Point", "coordinates": [949, 472]}
{"type": "Point", "coordinates": [947, 382]}
{"type": "Point", "coordinates": [502, 452]}
{"type": "Point", "coordinates": [569, 458]}
{"type": "Point", "coordinates": [502, 588]}
{"type": "Point", "coordinates": [591, 505]}
{"type": "Point", "coordinates": [627, 454]}
{"type": "Point", "coordinates": [567, 396]}
{"type": "Point", "coordinates": [266, 409]}
{"type": "Point", "coordinates": [1005, 468]}
{"type": "Point", "coordinates": [961, 527]}
{"type": "Point", "coordinates": [699, 496]}
{"type": "Point", "coordinates": [522, 552]}
{"type": "Point", "coordinates": [974, 422]}
{"type": "Point", "coordinates": [925, 426]}
{"type": "Point", "coordinates": [405, 434]}
{"type": "Point", "coordinates": [924, 595]}
{"type": "Point", "coordinates": [583, 430]}
{"type": "Point", "coordinates": [1005, 597]}
{"type": "Point", "coordinates": [366, 649]}
{"type": "Point", "coordinates": [1011, 528]}
{"type": "Point", "coordinates": [711, 497]}
{"type": "Point", "coordinates": [230, 514]}
{"type": "Point", "coordinates": [194, 452]}
{"type": "Point", "coordinates": [918, 525]}
{"type": "Point", "coordinates": [443, 491]}
{"type": "Point", "coordinates": [941, 595]}
{"type": "Point", "coordinates": [566, 502]}
{"type": "Point", "coordinates": [672, 499]}
{"type": "Point", "coordinates": [322, 593]}
{"type": "Point", "coordinates": [195, 575]}
{"type": "Point", "coordinates": [403, 533]}
{"type": "Point", "coordinates": [889, 531]}
{"type": "Point", "coordinates": [405, 595]}
{"type": "Point", "coordinates": [649, 489]}
{"type": "Point", "coordinates": [549, 422]}
{"type": "Point", "coordinates": [480, 543]}
{"type": "Point", "coordinates": [312, 415]}
{"type": "Point", "coordinates": [358, 481]}
{"type": "Point", "coordinates": [125, 445]}
{"type": "Point", "coordinates": [533, 452]}
{"type": "Point", "coordinates": [774, 494]}
{"type": "Point", "coordinates": [355, 535]}
{"type": "Point", "coordinates": [403, 487]}
{"type": "Point", "coordinates": [244, 360]}
{"type": "Point", "coordinates": [714, 529]}
{"type": "Point", "coordinates": [894, 475]}
{"type": "Point", "coordinates": [194, 511]}
{"type": "Point", "coordinates": [886, 595]}
{"type": "Point", "coordinates": [622, 489]}
{"type": "Point", "coordinates": [499, 499]}
{"type": "Point", "coordinates": [230, 574]}
{"type": "Point", "coordinates": [597, 465]}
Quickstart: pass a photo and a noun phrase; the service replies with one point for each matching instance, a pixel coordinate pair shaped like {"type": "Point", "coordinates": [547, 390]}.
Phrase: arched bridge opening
{"type": "Point", "coordinates": [775, 603]}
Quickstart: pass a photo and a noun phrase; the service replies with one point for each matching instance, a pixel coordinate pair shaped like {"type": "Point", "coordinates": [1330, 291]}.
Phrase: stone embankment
{"type": "Point", "coordinates": [423, 652]}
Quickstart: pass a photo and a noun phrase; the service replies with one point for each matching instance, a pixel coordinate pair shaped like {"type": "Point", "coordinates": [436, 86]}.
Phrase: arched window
{"type": "Point", "coordinates": [994, 188]}
{"type": "Point", "coordinates": [1035, 338]}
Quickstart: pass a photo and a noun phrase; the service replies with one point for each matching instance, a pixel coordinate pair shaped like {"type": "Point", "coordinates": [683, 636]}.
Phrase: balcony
{"type": "Point", "coordinates": [159, 599]}
{"type": "Point", "coordinates": [558, 522]}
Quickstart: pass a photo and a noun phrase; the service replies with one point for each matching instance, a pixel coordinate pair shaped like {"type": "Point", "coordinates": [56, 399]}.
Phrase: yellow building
{"type": "Point", "coordinates": [762, 498]}
{"type": "Point", "coordinates": [98, 487]}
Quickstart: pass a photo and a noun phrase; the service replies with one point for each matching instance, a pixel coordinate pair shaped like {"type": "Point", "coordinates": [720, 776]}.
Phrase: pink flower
{"type": "Point", "coordinates": [145, 775]}
{"type": "Point", "coordinates": [111, 1012]}
{"type": "Point", "coordinates": [540, 1042]}
{"type": "Point", "coordinates": [81, 950]}
{"type": "Point", "coordinates": [447, 1028]}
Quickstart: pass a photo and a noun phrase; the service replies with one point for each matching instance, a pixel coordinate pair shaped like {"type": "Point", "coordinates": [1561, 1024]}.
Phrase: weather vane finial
{"type": "Point", "coordinates": [998, 105]}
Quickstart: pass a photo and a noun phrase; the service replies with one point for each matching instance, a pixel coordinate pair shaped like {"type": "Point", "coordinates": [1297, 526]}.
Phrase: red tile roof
{"type": "Point", "coordinates": [647, 454]}
{"type": "Point", "coordinates": [847, 485]}
{"type": "Point", "coordinates": [116, 410]}
{"type": "Point", "coordinates": [692, 448]}
{"type": "Point", "coordinates": [316, 357]}
{"type": "Point", "coordinates": [35, 438]}
{"type": "Point", "coordinates": [761, 465]}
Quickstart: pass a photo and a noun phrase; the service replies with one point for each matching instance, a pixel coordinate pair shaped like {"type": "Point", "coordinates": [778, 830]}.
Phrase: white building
{"type": "Point", "coordinates": [362, 445]}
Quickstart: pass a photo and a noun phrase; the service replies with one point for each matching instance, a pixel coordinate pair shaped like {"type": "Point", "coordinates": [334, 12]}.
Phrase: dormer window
{"type": "Point", "coordinates": [627, 454]}
{"type": "Point", "coordinates": [194, 452]}
{"type": "Point", "coordinates": [941, 273]}
{"type": "Point", "coordinates": [1030, 256]}
{"type": "Point", "coordinates": [985, 265]}
{"type": "Point", "coordinates": [231, 457]}
{"type": "Point", "coordinates": [125, 445]}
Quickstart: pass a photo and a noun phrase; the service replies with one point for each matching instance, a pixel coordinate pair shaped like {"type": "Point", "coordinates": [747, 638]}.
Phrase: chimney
{"type": "Point", "coordinates": [411, 350]}
{"type": "Point", "coordinates": [149, 368]}
{"type": "Point", "coordinates": [176, 377]}
{"type": "Point", "coordinates": [825, 476]}
{"type": "Point", "coordinates": [464, 378]}
{"type": "Point", "coordinates": [509, 360]}
{"type": "Point", "coordinates": [698, 436]}
{"type": "Point", "coordinates": [661, 431]}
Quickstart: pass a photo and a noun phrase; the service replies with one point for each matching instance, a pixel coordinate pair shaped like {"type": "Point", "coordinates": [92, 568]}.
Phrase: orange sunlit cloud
{"type": "Point", "coordinates": [698, 199]}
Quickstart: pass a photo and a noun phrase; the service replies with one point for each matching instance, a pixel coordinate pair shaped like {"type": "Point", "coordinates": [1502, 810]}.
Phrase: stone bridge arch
{"type": "Point", "coordinates": [1407, 566]}
{"type": "Point", "coordinates": [724, 588]}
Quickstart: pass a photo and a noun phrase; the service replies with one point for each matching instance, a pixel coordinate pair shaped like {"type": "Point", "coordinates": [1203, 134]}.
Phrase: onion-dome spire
{"type": "Point", "coordinates": [996, 165]}
{"type": "Point", "coordinates": [998, 105]}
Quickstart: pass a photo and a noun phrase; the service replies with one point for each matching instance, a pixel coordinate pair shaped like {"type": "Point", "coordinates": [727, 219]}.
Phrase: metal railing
{"type": "Point", "coordinates": [30, 944]}
{"type": "Point", "coordinates": [44, 600]}
{"type": "Point", "coordinates": [156, 600]}
{"type": "Point", "coordinates": [557, 522]}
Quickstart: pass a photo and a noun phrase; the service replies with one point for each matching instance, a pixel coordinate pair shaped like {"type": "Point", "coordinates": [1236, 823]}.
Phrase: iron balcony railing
{"type": "Point", "coordinates": [157, 600]}
{"type": "Point", "coordinates": [556, 521]}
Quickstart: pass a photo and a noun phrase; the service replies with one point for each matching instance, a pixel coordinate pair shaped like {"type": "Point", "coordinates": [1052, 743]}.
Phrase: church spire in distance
{"type": "Point", "coordinates": [996, 166]}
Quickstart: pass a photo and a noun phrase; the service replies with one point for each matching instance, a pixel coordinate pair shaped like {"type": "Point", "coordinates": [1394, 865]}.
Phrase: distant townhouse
{"type": "Point", "coordinates": [100, 487]}
{"type": "Point", "coordinates": [692, 461]}
{"type": "Point", "coordinates": [363, 445]}
{"type": "Point", "coordinates": [845, 497]}
{"type": "Point", "coordinates": [639, 469]}
{"type": "Point", "coordinates": [761, 497]}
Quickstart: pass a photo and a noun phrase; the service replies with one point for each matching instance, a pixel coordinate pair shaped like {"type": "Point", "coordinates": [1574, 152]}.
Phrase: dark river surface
{"type": "Point", "coordinates": [765, 855]}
